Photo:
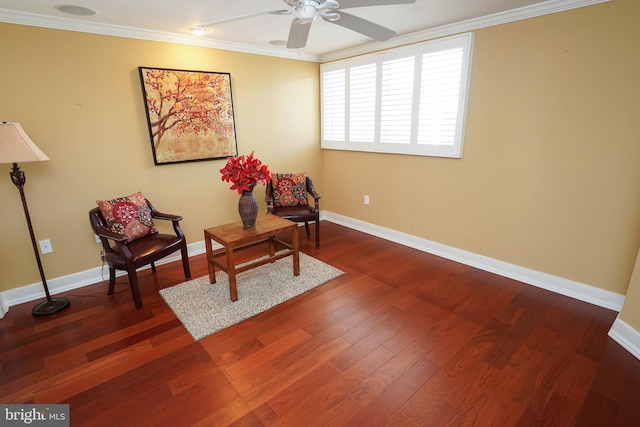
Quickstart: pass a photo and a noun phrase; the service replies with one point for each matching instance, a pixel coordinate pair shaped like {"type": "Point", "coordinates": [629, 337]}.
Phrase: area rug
{"type": "Point", "coordinates": [205, 308]}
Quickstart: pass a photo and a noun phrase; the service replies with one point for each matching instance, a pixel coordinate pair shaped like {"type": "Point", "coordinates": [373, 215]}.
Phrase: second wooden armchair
{"type": "Point", "coordinates": [287, 196]}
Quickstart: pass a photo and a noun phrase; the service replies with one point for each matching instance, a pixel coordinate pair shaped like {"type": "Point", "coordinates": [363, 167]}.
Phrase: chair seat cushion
{"type": "Point", "coordinates": [150, 245]}
{"type": "Point", "coordinates": [289, 189]}
{"type": "Point", "coordinates": [299, 213]}
{"type": "Point", "coordinates": [128, 215]}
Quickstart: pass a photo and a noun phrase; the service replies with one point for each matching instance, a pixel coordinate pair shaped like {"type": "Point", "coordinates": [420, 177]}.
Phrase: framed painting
{"type": "Point", "coordinates": [189, 113]}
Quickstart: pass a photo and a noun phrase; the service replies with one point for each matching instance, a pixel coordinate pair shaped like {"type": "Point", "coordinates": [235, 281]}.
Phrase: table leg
{"type": "Point", "coordinates": [231, 272]}
{"type": "Point", "coordinates": [210, 264]}
{"type": "Point", "coordinates": [272, 246]}
{"type": "Point", "coordinates": [295, 240]}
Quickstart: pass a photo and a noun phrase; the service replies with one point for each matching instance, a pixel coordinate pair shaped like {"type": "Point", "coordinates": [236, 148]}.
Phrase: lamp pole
{"type": "Point", "coordinates": [51, 305]}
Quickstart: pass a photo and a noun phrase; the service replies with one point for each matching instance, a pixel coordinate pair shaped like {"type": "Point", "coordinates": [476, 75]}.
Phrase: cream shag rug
{"type": "Point", "coordinates": [205, 308]}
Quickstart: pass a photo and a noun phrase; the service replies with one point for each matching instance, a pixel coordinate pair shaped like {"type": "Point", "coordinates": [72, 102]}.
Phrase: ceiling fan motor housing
{"type": "Point", "coordinates": [307, 13]}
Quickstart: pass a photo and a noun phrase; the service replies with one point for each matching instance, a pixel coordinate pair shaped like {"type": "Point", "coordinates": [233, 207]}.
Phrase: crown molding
{"type": "Point", "coordinates": [36, 20]}
{"type": "Point", "coordinates": [546, 8]}
{"type": "Point", "coordinates": [59, 23]}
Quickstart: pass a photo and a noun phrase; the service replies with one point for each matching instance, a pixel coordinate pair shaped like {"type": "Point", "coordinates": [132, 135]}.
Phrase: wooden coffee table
{"type": "Point", "coordinates": [234, 237]}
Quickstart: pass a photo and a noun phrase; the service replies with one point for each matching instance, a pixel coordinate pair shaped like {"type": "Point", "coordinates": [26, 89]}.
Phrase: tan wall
{"type": "Point", "coordinates": [79, 98]}
{"type": "Point", "coordinates": [550, 174]}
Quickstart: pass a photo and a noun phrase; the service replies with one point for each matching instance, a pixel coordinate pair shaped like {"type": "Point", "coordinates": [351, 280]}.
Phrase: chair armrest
{"type": "Point", "coordinates": [175, 219]}
{"type": "Point", "coordinates": [165, 216]}
{"type": "Point", "coordinates": [316, 201]}
{"type": "Point", "coordinates": [314, 194]}
{"type": "Point", "coordinates": [111, 235]}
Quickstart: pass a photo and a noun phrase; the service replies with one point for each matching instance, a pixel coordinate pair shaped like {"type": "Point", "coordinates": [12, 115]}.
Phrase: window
{"type": "Point", "coordinates": [409, 100]}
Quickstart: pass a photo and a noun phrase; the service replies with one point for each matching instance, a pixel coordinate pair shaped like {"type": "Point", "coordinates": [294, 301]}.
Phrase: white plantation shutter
{"type": "Point", "coordinates": [397, 100]}
{"type": "Point", "coordinates": [439, 95]}
{"type": "Point", "coordinates": [333, 105]}
{"type": "Point", "coordinates": [362, 103]}
{"type": "Point", "coordinates": [409, 100]}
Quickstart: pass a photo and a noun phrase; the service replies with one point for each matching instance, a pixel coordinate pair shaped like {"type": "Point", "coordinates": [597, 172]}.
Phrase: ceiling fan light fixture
{"type": "Point", "coordinates": [330, 4]}
{"type": "Point", "coordinates": [331, 16]}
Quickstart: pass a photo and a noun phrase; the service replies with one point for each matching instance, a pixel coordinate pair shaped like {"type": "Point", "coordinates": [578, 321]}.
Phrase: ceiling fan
{"type": "Point", "coordinates": [306, 12]}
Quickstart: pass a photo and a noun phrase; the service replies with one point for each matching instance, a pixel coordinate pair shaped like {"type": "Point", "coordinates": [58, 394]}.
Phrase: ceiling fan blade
{"type": "Point", "coordinates": [362, 26]}
{"type": "Point", "coordinates": [298, 34]}
{"type": "Point", "coordinates": [282, 12]}
{"type": "Point", "coordinates": [345, 4]}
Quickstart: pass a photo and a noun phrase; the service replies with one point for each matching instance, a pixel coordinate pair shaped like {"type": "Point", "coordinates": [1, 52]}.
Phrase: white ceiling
{"type": "Point", "coordinates": [166, 20]}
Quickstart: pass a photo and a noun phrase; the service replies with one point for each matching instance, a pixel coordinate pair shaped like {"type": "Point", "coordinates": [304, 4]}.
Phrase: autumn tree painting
{"type": "Point", "coordinates": [189, 113]}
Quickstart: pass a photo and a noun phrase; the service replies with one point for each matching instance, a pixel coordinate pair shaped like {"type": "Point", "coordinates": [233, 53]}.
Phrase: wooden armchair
{"type": "Point", "coordinates": [121, 253]}
{"type": "Point", "coordinates": [287, 196]}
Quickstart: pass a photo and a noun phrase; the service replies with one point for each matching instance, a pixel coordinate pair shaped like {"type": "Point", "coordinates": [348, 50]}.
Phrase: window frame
{"type": "Point", "coordinates": [335, 142]}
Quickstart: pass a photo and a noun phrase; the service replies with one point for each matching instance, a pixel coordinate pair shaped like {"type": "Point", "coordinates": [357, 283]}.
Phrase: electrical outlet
{"type": "Point", "coordinates": [102, 255]}
{"type": "Point", "coordinates": [45, 246]}
{"type": "Point", "coordinates": [97, 238]}
{"type": "Point", "coordinates": [366, 199]}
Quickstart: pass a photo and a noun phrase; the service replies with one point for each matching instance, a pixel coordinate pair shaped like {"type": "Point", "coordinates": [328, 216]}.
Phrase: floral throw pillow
{"type": "Point", "coordinates": [289, 189]}
{"type": "Point", "coordinates": [129, 215]}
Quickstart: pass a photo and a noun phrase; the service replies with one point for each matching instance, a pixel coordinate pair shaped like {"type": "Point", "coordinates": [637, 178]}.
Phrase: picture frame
{"type": "Point", "coordinates": [189, 114]}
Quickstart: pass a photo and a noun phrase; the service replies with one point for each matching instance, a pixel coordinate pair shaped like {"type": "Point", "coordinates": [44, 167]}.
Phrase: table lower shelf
{"type": "Point", "coordinates": [248, 265]}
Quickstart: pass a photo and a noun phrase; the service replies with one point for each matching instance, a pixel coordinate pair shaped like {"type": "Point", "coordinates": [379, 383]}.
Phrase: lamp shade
{"type": "Point", "coordinates": [17, 147]}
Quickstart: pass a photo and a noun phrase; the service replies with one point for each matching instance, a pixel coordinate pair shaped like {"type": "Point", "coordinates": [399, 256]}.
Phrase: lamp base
{"type": "Point", "coordinates": [45, 308]}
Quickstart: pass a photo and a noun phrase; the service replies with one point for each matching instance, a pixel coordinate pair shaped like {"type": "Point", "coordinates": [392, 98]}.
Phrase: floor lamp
{"type": "Point", "coordinates": [16, 146]}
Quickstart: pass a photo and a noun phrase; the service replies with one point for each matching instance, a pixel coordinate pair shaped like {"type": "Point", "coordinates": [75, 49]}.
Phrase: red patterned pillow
{"type": "Point", "coordinates": [289, 189]}
{"type": "Point", "coordinates": [129, 215]}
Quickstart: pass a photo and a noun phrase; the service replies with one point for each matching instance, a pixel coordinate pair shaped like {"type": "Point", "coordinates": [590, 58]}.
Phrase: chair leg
{"type": "Point", "coordinates": [185, 261]}
{"type": "Point", "coordinates": [112, 280]}
{"type": "Point", "coordinates": [317, 234]}
{"type": "Point", "coordinates": [306, 226]}
{"type": "Point", "coordinates": [135, 289]}
{"type": "Point", "coordinates": [153, 268]}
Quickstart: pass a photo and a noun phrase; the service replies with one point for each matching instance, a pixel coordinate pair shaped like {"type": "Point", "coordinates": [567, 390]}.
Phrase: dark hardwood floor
{"type": "Point", "coordinates": [403, 338]}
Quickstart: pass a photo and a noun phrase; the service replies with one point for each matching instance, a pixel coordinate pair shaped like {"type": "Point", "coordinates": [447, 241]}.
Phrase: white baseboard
{"type": "Point", "coordinates": [626, 336]}
{"type": "Point", "coordinates": [552, 283]}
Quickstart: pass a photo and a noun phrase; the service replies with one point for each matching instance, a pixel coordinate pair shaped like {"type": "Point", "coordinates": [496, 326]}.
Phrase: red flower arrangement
{"type": "Point", "coordinates": [244, 172]}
